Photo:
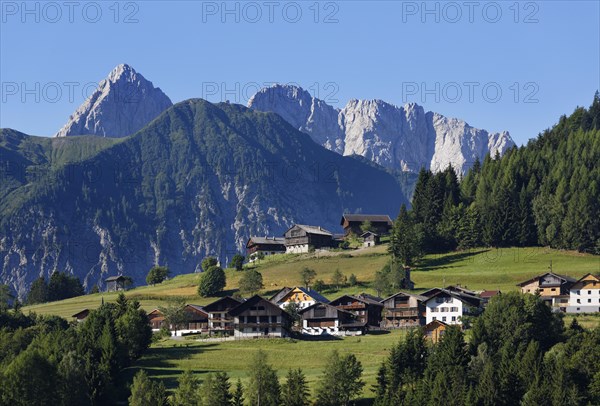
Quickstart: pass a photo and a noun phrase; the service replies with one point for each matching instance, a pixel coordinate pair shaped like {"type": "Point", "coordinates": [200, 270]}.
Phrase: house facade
{"type": "Point", "coordinates": [196, 321]}
{"type": "Point", "coordinates": [258, 317]}
{"type": "Point", "coordinates": [434, 330]}
{"type": "Point", "coordinates": [265, 245]}
{"type": "Point", "coordinates": [403, 310]}
{"type": "Point", "coordinates": [366, 308]}
{"type": "Point", "coordinates": [115, 283]}
{"type": "Point", "coordinates": [381, 224]}
{"type": "Point", "coordinates": [553, 288]}
{"type": "Point", "coordinates": [449, 306]}
{"type": "Point", "coordinates": [301, 238]}
{"type": "Point", "coordinates": [322, 319]}
{"type": "Point", "coordinates": [219, 319]}
{"type": "Point", "coordinates": [370, 239]}
{"type": "Point", "coordinates": [302, 296]}
{"type": "Point", "coordinates": [584, 295]}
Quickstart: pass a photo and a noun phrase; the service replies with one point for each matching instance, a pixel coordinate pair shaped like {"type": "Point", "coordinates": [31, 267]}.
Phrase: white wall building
{"type": "Point", "coordinates": [449, 307]}
{"type": "Point", "coordinates": [584, 295]}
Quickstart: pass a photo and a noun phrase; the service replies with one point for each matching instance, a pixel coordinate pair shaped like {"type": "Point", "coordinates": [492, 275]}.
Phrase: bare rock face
{"type": "Point", "coordinates": [405, 138]}
{"type": "Point", "coordinates": [123, 104]}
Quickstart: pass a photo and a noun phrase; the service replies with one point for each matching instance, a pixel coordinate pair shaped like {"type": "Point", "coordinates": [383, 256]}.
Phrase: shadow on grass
{"type": "Point", "coordinates": [444, 261]}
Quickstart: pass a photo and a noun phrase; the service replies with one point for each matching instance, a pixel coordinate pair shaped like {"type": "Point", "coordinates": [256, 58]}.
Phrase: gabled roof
{"type": "Point", "coordinates": [254, 300]}
{"type": "Point", "coordinates": [326, 305]}
{"type": "Point", "coordinates": [486, 294]}
{"type": "Point", "coordinates": [373, 218]}
{"type": "Point", "coordinates": [363, 235]}
{"type": "Point", "coordinates": [463, 297]}
{"type": "Point", "coordinates": [316, 296]}
{"type": "Point", "coordinates": [212, 306]}
{"type": "Point", "coordinates": [418, 297]}
{"type": "Point", "coordinates": [81, 313]}
{"type": "Point", "coordinates": [597, 277]}
{"type": "Point", "coordinates": [114, 278]}
{"type": "Point", "coordinates": [198, 309]}
{"type": "Point", "coordinates": [363, 297]}
{"type": "Point", "coordinates": [458, 288]}
{"type": "Point", "coordinates": [535, 278]}
{"type": "Point", "coordinates": [266, 240]}
{"type": "Point", "coordinates": [311, 229]}
{"type": "Point", "coordinates": [433, 322]}
{"type": "Point", "coordinates": [279, 294]}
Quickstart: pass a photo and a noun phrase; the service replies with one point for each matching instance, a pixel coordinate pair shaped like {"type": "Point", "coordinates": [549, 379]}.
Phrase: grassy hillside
{"type": "Point", "coordinates": [477, 269]}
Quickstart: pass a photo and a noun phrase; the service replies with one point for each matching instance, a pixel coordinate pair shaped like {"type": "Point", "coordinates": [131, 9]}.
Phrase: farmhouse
{"type": "Point", "coordinates": [264, 245]}
{"type": "Point", "coordinates": [258, 317]}
{"type": "Point", "coordinates": [81, 315]}
{"type": "Point", "coordinates": [366, 308]}
{"type": "Point", "coordinates": [219, 319]}
{"type": "Point", "coordinates": [156, 319]}
{"type": "Point", "coordinates": [435, 330]}
{"type": "Point", "coordinates": [552, 287]}
{"type": "Point", "coordinates": [370, 239]}
{"type": "Point", "coordinates": [301, 238]}
{"type": "Point", "coordinates": [196, 321]}
{"type": "Point", "coordinates": [487, 295]}
{"type": "Point", "coordinates": [303, 296]}
{"type": "Point", "coordinates": [115, 283]}
{"type": "Point", "coordinates": [584, 295]}
{"type": "Point", "coordinates": [449, 306]}
{"type": "Point", "coordinates": [323, 319]}
{"type": "Point", "coordinates": [403, 310]}
{"type": "Point", "coordinates": [381, 224]}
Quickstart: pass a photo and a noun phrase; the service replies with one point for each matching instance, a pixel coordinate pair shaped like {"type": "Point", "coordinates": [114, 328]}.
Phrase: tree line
{"type": "Point", "coordinates": [545, 193]}
{"type": "Point", "coordinates": [46, 361]}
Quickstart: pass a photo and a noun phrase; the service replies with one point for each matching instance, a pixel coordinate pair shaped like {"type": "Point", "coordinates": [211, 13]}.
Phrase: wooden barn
{"type": "Point", "coordinates": [265, 245]}
{"type": "Point", "coordinates": [301, 238]}
{"type": "Point", "coordinates": [435, 330]}
{"type": "Point", "coordinates": [381, 224]}
{"type": "Point", "coordinates": [258, 317]}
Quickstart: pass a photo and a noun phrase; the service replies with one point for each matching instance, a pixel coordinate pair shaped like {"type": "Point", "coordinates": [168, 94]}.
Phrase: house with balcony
{"type": "Point", "coordinates": [449, 306]}
{"type": "Point", "coordinates": [265, 246]}
{"type": "Point", "coordinates": [257, 317]}
{"type": "Point", "coordinates": [554, 289]}
{"type": "Point", "coordinates": [366, 308]}
{"type": "Point", "coordinates": [321, 319]}
{"type": "Point", "coordinates": [584, 295]}
{"type": "Point", "coordinates": [301, 238]}
{"type": "Point", "coordinates": [403, 310]}
{"type": "Point", "coordinates": [219, 319]}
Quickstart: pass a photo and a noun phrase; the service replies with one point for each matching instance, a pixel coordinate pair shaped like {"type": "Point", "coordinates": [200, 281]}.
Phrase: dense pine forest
{"type": "Point", "coordinates": [545, 193]}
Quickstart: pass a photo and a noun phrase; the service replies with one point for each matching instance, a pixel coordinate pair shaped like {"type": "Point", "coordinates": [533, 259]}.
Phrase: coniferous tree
{"type": "Point", "coordinates": [295, 390]}
{"type": "Point", "coordinates": [263, 387]}
{"type": "Point", "coordinates": [186, 392]}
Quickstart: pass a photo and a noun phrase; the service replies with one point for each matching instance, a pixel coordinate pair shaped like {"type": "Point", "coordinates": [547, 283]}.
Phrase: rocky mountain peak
{"type": "Point", "coordinates": [405, 138]}
{"type": "Point", "coordinates": [122, 104]}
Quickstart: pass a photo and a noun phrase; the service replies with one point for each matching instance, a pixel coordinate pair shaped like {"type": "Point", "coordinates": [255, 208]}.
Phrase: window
{"type": "Point", "coordinates": [433, 309]}
{"type": "Point", "coordinates": [454, 309]}
{"type": "Point", "coordinates": [553, 289]}
{"type": "Point", "coordinates": [589, 292]}
{"type": "Point", "coordinates": [444, 318]}
{"type": "Point", "coordinates": [273, 319]}
{"type": "Point", "coordinates": [589, 300]}
{"type": "Point", "coordinates": [434, 318]}
{"type": "Point", "coordinates": [578, 300]}
{"type": "Point", "coordinates": [453, 318]}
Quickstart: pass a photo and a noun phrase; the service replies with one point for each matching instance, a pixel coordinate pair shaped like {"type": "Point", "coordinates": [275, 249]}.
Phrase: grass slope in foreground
{"type": "Point", "coordinates": [478, 269]}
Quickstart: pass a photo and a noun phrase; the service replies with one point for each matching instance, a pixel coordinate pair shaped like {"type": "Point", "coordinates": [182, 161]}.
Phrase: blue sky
{"type": "Point", "coordinates": [450, 57]}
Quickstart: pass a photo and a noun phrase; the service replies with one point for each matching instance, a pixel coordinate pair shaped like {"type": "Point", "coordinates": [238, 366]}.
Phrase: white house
{"type": "Point", "coordinates": [584, 295]}
{"type": "Point", "coordinates": [449, 306]}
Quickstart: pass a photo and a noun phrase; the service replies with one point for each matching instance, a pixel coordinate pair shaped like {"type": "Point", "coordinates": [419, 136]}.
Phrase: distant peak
{"type": "Point", "coordinates": [120, 70]}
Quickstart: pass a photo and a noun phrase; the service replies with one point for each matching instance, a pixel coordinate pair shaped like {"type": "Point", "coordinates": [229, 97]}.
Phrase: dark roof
{"type": "Point", "coordinates": [459, 288]}
{"type": "Point", "coordinates": [81, 313]}
{"type": "Point", "coordinates": [369, 232]}
{"type": "Point", "coordinates": [363, 297]}
{"type": "Point", "coordinates": [535, 278]}
{"type": "Point", "coordinates": [463, 297]}
{"type": "Point", "coordinates": [311, 229]}
{"type": "Point", "coordinates": [597, 277]}
{"type": "Point", "coordinates": [373, 218]}
{"type": "Point", "coordinates": [419, 297]}
{"type": "Point", "coordinates": [198, 309]}
{"type": "Point", "coordinates": [251, 302]}
{"type": "Point", "coordinates": [435, 322]}
{"type": "Point", "coordinates": [233, 302]}
{"type": "Point", "coordinates": [280, 294]}
{"type": "Point", "coordinates": [266, 240]}
{"type": "Point", "coordinates": [114, 278]}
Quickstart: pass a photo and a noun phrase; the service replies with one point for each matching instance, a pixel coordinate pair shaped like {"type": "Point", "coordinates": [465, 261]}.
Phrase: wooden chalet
{"type": "Point", "coordinates": [301, 238]}
{"type": "Point", "coordinates": [81, 315]}
{"type": "Point", "coordinates": [115, 283]}
{"type": "Point", "coordinates": [323, 319]}
{"type": "Point", "coordinates": [258, 317]}
{"type": "Point", "coordinates": [156, 319]}
{"type": "Point", "coordinates": [435, 330]}
{"type": "Point", "coordinates": [553, 288]}
{"type": "Point", "coordinates": [280, 294]}
{"type": "Point", "coordinates": [304, 297]}
{"type": "Point", "coordinates": [196, 321]}
{"type": "Point", "coordinates": [403, 310]}
{"type": "Point", "coordinates": [219, 318]}
{"type": "Point", "coordinates": [366, 308]}
{"type": "Point", "coordinates": [265, 245]}
{"type": "Point", "coordinates": [381, 224]}
{"type": "Point", "coordinates": [370, 239]}
{"type": "Point", "coordinates": [487, 295]}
